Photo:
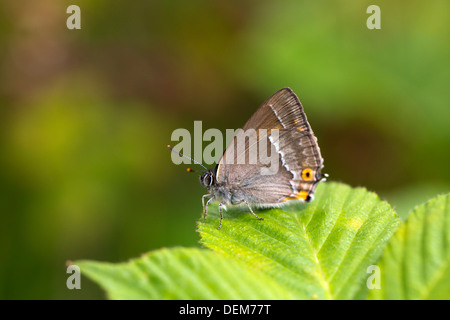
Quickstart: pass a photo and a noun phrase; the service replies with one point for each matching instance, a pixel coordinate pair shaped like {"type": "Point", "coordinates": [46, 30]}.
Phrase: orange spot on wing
{"type": "Point", "coordinates": [307, 174]}
{"type": "Point", "coordinates": [302, 195]}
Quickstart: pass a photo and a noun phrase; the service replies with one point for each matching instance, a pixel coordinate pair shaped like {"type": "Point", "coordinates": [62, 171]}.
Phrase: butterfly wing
{"type": "Point", "coordinates": [288, 135]}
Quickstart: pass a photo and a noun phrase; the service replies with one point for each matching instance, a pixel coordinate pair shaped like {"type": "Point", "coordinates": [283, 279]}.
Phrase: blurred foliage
{"type": "Point", "coordinates": [85, 115]}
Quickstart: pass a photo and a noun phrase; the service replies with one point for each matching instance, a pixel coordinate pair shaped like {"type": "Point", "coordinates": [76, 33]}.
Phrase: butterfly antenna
{"type": "Point", "coordinates": [188, 169]}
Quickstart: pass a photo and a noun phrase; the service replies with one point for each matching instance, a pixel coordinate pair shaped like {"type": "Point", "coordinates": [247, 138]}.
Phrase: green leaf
{"type": "Point", "coordinates": [181, 273]}
{"type": "Point", "coordinates": [318, 250]}
{"type": "Point", "coordinates": [416, 263]}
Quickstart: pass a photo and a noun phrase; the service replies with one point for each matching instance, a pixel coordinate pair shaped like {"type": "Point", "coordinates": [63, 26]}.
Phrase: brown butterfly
{"type": "Point", "coordinates": [287, 133]}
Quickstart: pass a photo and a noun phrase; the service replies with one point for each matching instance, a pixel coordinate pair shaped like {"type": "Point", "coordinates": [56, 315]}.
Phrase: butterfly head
{"type": "Point", "coordinates": [208, 178]}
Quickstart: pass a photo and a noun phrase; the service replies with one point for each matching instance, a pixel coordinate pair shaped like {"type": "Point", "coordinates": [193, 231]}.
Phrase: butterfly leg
{"type": "Point", "coordinates": [205, 208]}
{"type": "Point", "coordinates": [221, 205]}
{"type": "Point", "coordinates": [250, 208]}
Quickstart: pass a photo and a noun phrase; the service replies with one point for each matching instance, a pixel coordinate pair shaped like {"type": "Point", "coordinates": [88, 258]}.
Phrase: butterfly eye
{"type": "Point", "coordinates": [207, 179]}
{"type": "Point", "coordinates": [307, 174]}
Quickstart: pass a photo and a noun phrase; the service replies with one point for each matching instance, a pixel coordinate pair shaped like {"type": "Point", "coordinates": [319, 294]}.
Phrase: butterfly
{"type": "Point", "coordinates": [280, 124]}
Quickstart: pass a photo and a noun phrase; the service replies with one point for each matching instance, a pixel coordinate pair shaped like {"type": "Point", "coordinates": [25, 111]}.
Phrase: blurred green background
{"type": "Point", "coordinates": [86, 115]}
